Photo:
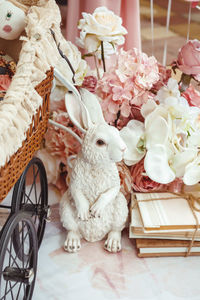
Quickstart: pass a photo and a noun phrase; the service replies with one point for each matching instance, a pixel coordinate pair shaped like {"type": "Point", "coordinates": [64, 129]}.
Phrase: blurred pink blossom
{"type": "Point", "coordinates": [175, 186]}
{"type": "Point", "coordinates": [90, 83]}
{"type": "Point", "coordinates": [192, 96]}
{"type": "Point", "coordinates": [125, 179]}
{"type": "Point", "coordinates": [59, 142]}
{"type": "Point", "coordinates": [164, 75]}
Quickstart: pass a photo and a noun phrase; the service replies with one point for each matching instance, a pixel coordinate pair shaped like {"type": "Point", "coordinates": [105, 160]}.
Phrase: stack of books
{"type": "Point", "coordinates": [163, 224]}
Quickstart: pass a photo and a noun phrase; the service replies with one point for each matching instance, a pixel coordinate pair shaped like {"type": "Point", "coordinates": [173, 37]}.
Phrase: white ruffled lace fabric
{"type": "Point", "coordinates": [39, 52]}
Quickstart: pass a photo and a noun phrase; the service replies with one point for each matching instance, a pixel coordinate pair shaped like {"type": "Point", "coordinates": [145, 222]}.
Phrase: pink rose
{"type": "Point", "coordinates": [192, 96]}
{"type": "Point", "coordinates": [141, 182]}
{"type": "Point", "coordinates": [189, 58]}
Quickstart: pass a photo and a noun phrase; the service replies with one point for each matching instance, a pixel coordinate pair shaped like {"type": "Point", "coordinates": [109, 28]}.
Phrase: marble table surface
{"type": "Point", "coordinates": [96, 274]}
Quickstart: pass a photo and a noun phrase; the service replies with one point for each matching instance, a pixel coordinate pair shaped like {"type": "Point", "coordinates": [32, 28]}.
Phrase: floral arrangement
{"type": "Point", "coordinates": [158, 117]}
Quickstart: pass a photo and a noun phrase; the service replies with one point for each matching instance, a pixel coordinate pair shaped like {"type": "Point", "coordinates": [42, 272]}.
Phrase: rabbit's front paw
{"type": "Point", "coordinates": [97, 209]}
{"type": "Point", "coordinates": [72, 243]}
{"type": "Point", "coordinates": [83, 211]}
{"type": "Point", "coordinates": [113, 242]}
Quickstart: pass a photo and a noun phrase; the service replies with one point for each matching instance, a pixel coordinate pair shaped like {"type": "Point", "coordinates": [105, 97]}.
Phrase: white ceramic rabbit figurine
{"type": "Point", "coordinates": [93, 205]}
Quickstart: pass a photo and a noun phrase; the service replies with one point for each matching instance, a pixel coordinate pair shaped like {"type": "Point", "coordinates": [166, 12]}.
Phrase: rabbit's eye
{"type": "Point", "coordinates": [8, 15]}
{"type": "Point", "coordinates": [100, 142]}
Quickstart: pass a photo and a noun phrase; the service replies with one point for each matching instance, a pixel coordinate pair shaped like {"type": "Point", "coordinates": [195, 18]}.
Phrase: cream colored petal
{"type": "Point", "coordinates": [132, 157]}
{"type": "Point", "coordinates": [194, 140]}
{"type": "Point", "coordinates": [181, 160]}
{"type": "Point", "coordinates": [160, 111]}
{"type": "Point", "coordinates": [157, 132]}
{"type": "Point", "coordinates": [192, 173]}
{"type": "Point", "coordinates": [171, 101]}
{"type": "Point", "coordinates": [131, 135]}
{"type": "Point", "coordinates": [148, 107]}
{"type": "Point", "coordinates": [91, 43]}
{"type": "Point", "coordinates": [156, 165]}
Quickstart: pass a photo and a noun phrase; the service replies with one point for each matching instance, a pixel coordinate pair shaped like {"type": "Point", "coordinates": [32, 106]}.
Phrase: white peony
{"type": "Point", "coordinates": [101, 26]}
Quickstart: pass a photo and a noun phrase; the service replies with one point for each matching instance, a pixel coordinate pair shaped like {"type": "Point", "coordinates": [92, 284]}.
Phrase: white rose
{"type": "Point", "coordinates": [74, 56]}
{"type": "Point", "coordinates": [51, 164]}
{"type": "Point", "coordinates": [102, 25]}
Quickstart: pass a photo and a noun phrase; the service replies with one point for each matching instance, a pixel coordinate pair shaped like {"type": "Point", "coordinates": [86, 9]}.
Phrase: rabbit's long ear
{"type": "Point", "coordinates": [77, 111]}
{"type": "Point", "coordinates": [93, 106]}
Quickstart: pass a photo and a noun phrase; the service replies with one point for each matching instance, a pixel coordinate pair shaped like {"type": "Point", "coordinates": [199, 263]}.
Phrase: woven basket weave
{"type": "Point", "coordinates": [12, 170]}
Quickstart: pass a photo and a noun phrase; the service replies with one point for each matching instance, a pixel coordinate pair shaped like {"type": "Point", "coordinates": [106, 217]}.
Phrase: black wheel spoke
{"type": "Point", "coordinates": [19, 291]}
{"type": "Point", "coordinates": [11, 288]}
{"type": "Point", "coordinates": [28, 199]}
{"type": "Point", "coordinates": [7, 292]}
{"type": "Point", "coordinates": [6, 288]}
{"type": "Point", "coordinates": [14, 260]}
{"type": "Point", "coordinates": [35, 182]}
{"type": "Point", "coordinates": [34, 179]}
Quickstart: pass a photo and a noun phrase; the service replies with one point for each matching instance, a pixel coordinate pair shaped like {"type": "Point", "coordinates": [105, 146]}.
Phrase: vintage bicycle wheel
{"type": "Point", "coordinates": [17, 276]}
{"type": "Point", "coordinates": [31, 195]}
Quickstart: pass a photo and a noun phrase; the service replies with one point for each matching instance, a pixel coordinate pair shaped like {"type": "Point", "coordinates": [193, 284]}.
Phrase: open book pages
{"type": "Point", "coordinates": [136, 230]}
{"type": "Point", "coordinates": [161, 215]}
{"type": "Point", "coordinates": [165, 247]}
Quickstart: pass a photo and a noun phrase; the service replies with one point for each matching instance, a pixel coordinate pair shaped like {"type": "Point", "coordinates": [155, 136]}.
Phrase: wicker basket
{"type": "Point", "coordinates": [10, 173]}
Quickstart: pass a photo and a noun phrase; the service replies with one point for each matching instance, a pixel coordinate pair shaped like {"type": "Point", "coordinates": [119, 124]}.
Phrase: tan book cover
{"type": "Point", "coordinates": [157, 247]}
{"type": "Point", "coordinates": [158, 243]}
{"type": "Point", "coordinates": [136, 229]}
{"type": "Point", "coordinates": [135, 234]}
{"type": "Point", "coordinates": [174, 213]}
{"type": "Point", "coordinates": [166, 254]}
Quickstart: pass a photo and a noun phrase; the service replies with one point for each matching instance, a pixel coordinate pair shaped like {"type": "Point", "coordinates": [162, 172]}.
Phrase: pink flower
{"type": "Point", "coordinates": [59, 142]}
{"type": "Point", "coordinates": [137, 65]}
{"type": "Point", "coordinates": [141, 182]}
{"type": "Point", "coordinates": [125, 179]}
{"type": "Point", "coordinates": [136, 114]}
{"type": "Point", "coordinates": [126, 84]}
{"type": "Point", "coordinates": [164, 75]}
{"type": "Point", "coordinates": [189, 58]}
{"type": "Point", "coordinates": [90, 83]}
{"type": "Point", "coordinates": [192, 96]}
{"type": "Point", "coordinates": [141, 97]}
{"type": "Point", "coordinates": [57, 106]}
